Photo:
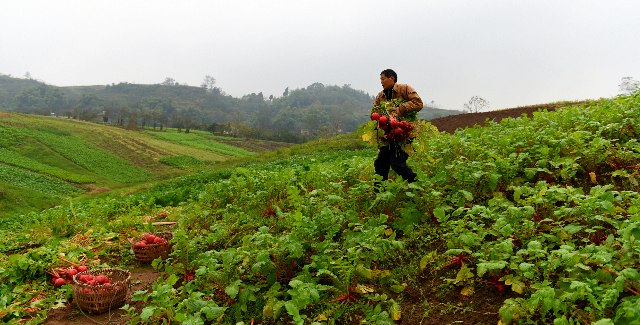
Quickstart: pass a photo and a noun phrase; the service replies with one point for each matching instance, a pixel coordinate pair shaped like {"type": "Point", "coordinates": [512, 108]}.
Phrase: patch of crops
{"type": "Point", "coordinates": [41, 183]}
{"type": "Point", "coordinates": [96, 160]}
{"type": "Point", "coordinates": [10, 136]}
{"type": "Point", "coordinates": [193, 140]}
{"type": "Point", "coordinates": [183, 162]}
{"type": "Point", "coordinates": [12, 158]}
{"type": "Point", "coordinates": [541, 212]}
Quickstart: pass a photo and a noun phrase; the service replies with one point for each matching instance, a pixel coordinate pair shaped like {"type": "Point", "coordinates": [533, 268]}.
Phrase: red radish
{"type": "Point", "coordinates": [143, 242]}
{"type": "Point", "coordinates": [53, 279]}
{"type": "Point", "coordinates": [107, 283]}
{"type": "Point", "coordinates": [82, 268]}
{"type": "Point", "coordinates": [394, 123]}
{"type": "Point", "coordinates": [89, 277]}
{"type": "Point", "coordinates": [383, 119]}
{"type": "Point", "coordinates": [91, 282]}
{"type": "Point", "coordinates": [162, 214]}
{"type": "Point", "coordinates": [375, 116]}
{"type": "Point", "coordinates": [158, 240]}
{"type": "Point", "coordinates": [101, 279]}
{"type": "Point", "coordinates": [71, 273]}
{"type": "Point", "coordinates": [398, 131]}
{"type": "Point", "coordinates": [151, 238]}
{"type": "Point", "coordinates": [59, 282]}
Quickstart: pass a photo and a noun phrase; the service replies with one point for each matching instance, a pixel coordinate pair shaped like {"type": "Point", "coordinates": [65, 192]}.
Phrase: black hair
{"type": "Point", "coordinates": [390, 73]}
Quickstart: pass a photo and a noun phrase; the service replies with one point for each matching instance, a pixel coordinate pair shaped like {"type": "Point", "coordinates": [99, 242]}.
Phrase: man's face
{"type": "Point", "coordinates": [386, 82]}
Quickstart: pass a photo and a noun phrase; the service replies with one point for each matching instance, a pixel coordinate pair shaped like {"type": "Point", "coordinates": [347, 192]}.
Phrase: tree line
{"type": "Point", "coordinates": [297, 116]}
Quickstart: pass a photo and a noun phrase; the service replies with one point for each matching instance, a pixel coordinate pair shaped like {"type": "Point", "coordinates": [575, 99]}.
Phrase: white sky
{"type": "Point", "coordinates": [511, 53]}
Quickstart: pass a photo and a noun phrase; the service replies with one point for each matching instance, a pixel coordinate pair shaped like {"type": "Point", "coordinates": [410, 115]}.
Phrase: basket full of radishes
{"type": "Point", "coordinates": [99, 291]}
{"type": "Point", "coordinates": [148, 247]}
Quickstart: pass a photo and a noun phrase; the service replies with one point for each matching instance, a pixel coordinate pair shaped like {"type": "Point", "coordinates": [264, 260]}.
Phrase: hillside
{"type": "Point", "coordinates": [527, 221]}
{"type": "Point", "coordinates": [43, 160]}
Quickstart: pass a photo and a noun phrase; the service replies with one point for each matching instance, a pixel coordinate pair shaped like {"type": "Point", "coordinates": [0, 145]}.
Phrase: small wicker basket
{"type": "Point", "coordinates": [150, 252]}
{"type": "Point", "coordinates": [101, 298]}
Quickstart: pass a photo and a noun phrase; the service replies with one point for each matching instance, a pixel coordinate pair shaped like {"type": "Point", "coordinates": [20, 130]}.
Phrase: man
{"type": "Point", "coordinates": [392, 156]}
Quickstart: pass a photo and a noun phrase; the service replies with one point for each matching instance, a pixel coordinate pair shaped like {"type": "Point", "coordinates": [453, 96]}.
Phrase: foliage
{"type": "Point", "coordinates": [546, 207]}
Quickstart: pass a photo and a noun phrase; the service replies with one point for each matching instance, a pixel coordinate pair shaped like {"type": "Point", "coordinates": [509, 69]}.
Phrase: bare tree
{"type": "Point", "coordinates": [476, 104]}
{"type": "Point", "coordinates": [628, 86]}
{"type": "Point", "coordinates": [208, 83]}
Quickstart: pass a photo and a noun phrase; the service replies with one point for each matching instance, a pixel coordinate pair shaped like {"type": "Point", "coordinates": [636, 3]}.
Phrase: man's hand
{"type": "Point", "coordinates": [397, 110]}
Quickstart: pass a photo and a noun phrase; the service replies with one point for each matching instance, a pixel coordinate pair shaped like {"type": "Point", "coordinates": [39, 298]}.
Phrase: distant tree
{"type": "Point", "coordinates": [286, 92]}
{"type": "Point", "coordinates": [336, 115]}
{"type": "Point", "coordinates": [188, 123]}
{"type": "Point", "coordinates": [311, 124]}
{"type": "Point", "coordinates": [628, 86]}
{"type": "Point", "coordinates": [168, 82]}
{"type": "Point", "coordinates": [209, 83]}
{"type": "Point", "coordinates": [476, 104]}
{"type": "Point", "coordinates": [27, 75]}
{"type": "Point", "coordinates": [164, 119]}
{"type": "Point", "coordinates": [270, 97]}
{"type": "Point", "coordinates": [122, 114]}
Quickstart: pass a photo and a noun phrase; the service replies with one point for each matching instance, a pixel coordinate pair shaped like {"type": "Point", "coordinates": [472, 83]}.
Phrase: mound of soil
{"type": "Point", "coordinates": [451, 123]}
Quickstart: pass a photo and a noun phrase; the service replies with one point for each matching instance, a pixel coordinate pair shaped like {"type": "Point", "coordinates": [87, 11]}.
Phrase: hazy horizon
{"type": "Point", "coordinates": [510, 53]}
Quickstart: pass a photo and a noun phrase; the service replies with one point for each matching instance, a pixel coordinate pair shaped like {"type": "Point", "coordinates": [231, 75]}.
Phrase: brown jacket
{"type": "Point", "coordinates": [406, 92]}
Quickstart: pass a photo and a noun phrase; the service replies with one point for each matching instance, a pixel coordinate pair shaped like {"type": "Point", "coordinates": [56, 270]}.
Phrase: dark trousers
{"type": "Point", "coordinates": [392, 156]}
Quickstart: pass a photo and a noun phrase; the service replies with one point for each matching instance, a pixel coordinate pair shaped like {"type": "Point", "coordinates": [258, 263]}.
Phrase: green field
{"type": "Point", "coordinates": [535, 220]}
{"type": "Point", "coordinates": [85, 156]}
{"type": "Point", "coordinates": [198, 141]}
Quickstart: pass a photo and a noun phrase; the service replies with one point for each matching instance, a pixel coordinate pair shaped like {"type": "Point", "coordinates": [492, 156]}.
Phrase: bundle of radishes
{"type": "Point", "coordinates": [394, 130]}
{"type": "Point", "coordinates": [63, 276]}
{"type": "Point", "coordinates": [149, 239]}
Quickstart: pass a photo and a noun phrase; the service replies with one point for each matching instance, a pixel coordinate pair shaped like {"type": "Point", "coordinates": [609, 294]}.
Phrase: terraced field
{"type": "Point", "coordinates": [85, 156]}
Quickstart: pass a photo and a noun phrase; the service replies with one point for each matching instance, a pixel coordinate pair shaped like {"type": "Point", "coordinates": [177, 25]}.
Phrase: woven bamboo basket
{"type": "Point", "coordinates": [150, 252]}
{"type": "Point", "coordinates": [101, 298]}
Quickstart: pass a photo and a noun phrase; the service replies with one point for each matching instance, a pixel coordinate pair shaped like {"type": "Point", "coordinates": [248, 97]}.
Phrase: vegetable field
{"type": "Point", "coordinates": [197, 141]}
{"type": "Point", "coordinates": [531, 221]}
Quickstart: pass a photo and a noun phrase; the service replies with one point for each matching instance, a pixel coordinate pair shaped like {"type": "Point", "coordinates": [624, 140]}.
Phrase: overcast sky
{"type": "Point", "coordinates": [511, 53]}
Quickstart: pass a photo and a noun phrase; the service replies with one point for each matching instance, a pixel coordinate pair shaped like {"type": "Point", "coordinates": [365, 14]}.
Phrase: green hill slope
{"type": "Point", "coordinates": [60, 158]}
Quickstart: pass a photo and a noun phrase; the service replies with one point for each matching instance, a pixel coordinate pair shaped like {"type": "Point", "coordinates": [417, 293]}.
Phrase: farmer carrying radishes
{"type": "Point", "coordinates": [391, 154]}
